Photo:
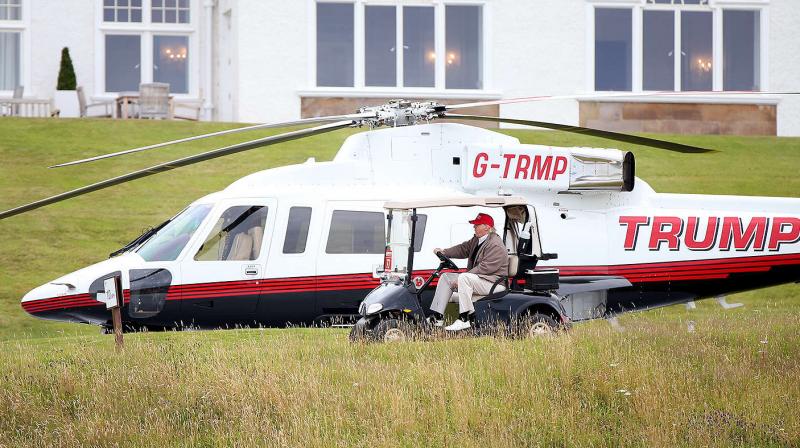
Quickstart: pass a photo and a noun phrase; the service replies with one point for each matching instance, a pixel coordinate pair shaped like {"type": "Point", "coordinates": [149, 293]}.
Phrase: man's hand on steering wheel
{"type": "Point", "coordinates": [446, 263]}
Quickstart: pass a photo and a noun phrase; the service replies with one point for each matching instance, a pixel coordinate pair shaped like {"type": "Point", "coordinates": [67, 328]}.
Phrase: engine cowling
{"type": "Point", "coordinates": [548, 168]}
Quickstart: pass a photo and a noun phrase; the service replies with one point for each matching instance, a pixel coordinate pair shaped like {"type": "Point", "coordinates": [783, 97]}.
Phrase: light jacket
{"type": "Point", "coordinates": [491, 261]}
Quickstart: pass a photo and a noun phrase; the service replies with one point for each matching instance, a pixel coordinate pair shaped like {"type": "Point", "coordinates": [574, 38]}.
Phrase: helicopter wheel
{"type": "Point", "coordinates": [391, 330]}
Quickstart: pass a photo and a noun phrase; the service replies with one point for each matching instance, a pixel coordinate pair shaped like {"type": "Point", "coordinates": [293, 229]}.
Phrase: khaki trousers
{"type": "Point", "coordinates": [470, 288]}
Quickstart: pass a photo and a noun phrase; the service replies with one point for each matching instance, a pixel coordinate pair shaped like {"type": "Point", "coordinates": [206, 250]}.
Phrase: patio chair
{"type": "Point", "coordinates": [154, 100]}
{"type": "Point", "coordinates": [108, 106]}
{"type": "Point", "coordinates": [187, 110]}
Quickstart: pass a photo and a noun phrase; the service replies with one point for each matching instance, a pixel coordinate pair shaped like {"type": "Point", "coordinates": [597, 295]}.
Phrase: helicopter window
{"type": "Point", "coordinates": [297, 230]}
{"type": "Point", "coordinates": [356, 233]}
{"type": "Point", "coordinates": [168, 243]}
{"type": "Point", "coordinates": [237, 235]}
{"type": "Point", "coordinates": [335, 55]}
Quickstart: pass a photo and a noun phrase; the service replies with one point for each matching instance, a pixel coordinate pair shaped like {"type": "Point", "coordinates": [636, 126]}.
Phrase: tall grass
{"type": "Point", "coordinates": [655, 384]}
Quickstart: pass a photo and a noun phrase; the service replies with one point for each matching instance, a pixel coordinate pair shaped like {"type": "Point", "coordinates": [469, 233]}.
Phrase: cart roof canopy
{"type": "Point", "coordinates": [461, 201]}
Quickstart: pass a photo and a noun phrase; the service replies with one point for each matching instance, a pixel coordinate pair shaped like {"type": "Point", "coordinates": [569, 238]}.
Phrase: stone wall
{"type": "Point", "coordinates": [680, 118]}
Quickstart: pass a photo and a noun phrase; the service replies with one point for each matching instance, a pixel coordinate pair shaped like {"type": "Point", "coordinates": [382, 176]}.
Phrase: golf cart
{"type": "Point", "coordinates": [523, 303]}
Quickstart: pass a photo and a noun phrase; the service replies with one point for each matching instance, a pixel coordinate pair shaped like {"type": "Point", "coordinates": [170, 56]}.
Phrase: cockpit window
{"type": "Point", "coordinates": [237, 235]}
{"type": "Point", "coordinates": [168, 243]}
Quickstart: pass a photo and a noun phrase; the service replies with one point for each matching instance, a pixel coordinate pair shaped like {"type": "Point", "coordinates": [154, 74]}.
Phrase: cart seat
{"type": "Point", "coordinates": [501, 286]}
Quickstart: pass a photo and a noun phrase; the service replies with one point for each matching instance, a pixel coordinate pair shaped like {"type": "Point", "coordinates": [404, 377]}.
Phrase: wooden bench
{"type": "Point", "coordinates": [28, 107]}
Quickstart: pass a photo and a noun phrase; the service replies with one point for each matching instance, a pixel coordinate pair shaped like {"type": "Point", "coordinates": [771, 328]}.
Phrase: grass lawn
{"type": "Point", "coordinates": [732, 381]}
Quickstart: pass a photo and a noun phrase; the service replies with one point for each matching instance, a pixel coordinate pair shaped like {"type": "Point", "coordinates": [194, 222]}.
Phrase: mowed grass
{"type": "Point", "coordinates": [732, 381]}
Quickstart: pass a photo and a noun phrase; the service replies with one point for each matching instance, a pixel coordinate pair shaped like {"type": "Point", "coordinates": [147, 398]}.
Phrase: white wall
{"type": "Point", "coordinates": [784, 62]}
{"type": "Point", "coordinates": [539, 49]}
{"type": "Point", "coordinates": [54, 25]}
{"type": "Point", "coordinates": [273, 60]}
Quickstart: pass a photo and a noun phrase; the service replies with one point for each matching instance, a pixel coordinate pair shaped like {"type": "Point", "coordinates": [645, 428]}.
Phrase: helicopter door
{"type": "Point", "coordinates": [351, 248]}
{"type": "Point", "coordinates": [221, 273]}
{"type": "Point", "coordinates": [290, 295]}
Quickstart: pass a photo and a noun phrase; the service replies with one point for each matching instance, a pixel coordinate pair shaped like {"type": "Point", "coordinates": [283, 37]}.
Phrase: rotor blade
{"type": "Point", "coordinates": [627, 138]}
{"type": "Point", "coordinates": [529, 99]}
{"type": "Point", "coordinates": [218, 133]}
{"type": "Point", "coordinates": [266, 141]}
{"type": "Point", "coordinates": [600, 96]}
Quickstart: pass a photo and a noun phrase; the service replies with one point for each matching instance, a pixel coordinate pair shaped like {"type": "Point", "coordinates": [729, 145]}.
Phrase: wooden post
{"type": "Point", "coordinates": [113, 300]}
{"type": "Point", "coordinates": [116, 314]}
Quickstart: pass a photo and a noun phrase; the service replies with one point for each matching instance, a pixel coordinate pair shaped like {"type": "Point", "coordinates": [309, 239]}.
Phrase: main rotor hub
{"type": "Point", "coordinates": [400, 113]}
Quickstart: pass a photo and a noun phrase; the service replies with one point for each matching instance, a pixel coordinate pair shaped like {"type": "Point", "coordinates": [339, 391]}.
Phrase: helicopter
{"type": "Point", "coordinates": [303, 244]}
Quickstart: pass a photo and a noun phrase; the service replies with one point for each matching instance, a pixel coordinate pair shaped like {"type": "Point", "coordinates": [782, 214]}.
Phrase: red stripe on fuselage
{"type": "Point", "coordinates": [710, 269]}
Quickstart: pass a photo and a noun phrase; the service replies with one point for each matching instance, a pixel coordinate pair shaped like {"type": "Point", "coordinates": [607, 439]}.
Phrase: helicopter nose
{"type": "Point", "coordinates": [48, 299]}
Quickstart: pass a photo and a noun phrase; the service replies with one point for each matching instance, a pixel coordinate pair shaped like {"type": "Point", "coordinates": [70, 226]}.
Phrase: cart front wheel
{"type": "Point", "coordinates": [359, 331]}
{"type": "Point", "coordinates": [391, 330]}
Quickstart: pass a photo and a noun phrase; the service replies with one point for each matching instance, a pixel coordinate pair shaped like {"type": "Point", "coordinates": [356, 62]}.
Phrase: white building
{"type": "Point", "coordinates": [270, 60]}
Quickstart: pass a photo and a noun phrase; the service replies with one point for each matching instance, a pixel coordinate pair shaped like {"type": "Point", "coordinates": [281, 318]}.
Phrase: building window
{"type": "Point", "coordinates": [464, 49]}
{"type": "Point", "coordinates": [690, 22]}
{"type": "Point", "coordinates": [419, 46]}
{"type": "Point", "coordinates": [9, 60]}
{"type": "Point", "coordinates": [170, 62]}
{"type": "Point", "coordinates": [10, 10]}
{"type": "Point", "coordinates": [612, 49]}
{"type": "Point", "coordinates": [388, 46]}
{"type": "Point", "coordinates": [157, 49]}
{"type": "Point", "coordinates": [380, 44]}
{"type": "Point", "coordinates": [170, 11]}
{"type": "Point", "coordinates": [335, 44]}
{"type": "Point", "coordinates": [355, 232]}
{"type": "Point", "coordinates": [697, 68]}
{"type": "Point", "coordinates": [678, 2]}
{"type": "Point", "coordinates": [122, 11]}
{"type": "Point", "coordinates": [741, 50]}
{"type": "Point", "coordinates": [658, 50]}
{"type": "Point", "coordinates": [123, 59]}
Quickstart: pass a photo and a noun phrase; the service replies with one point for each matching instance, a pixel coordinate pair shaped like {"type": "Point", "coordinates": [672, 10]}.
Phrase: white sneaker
{"type": "Point", "coordinates": [458, 325]}
{"type": "Point", "coordinates": [435, 322]}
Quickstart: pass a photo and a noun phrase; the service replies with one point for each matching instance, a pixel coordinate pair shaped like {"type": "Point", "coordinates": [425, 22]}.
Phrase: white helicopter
{"type": "Point", "coordinates": [302, 244]}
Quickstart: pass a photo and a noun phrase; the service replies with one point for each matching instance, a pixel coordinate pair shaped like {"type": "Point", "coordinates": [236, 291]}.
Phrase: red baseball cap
{"type": "Point", "coordinates": [483, 218]}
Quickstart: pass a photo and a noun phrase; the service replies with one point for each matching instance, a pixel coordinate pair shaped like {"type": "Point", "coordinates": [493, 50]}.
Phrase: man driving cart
{"type": "Point", "coordinates": [487, 262]}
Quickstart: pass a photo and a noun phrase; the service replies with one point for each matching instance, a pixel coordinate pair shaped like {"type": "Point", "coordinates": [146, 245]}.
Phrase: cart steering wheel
{"type": "Point", "coordinates": [446, 263]}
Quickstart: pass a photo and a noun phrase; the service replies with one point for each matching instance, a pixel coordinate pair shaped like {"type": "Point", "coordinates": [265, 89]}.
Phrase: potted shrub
{"type": "Point", "coordinates": [66, 99]}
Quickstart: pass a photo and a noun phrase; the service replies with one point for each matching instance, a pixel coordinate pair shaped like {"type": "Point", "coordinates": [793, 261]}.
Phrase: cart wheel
{"type": "Point", "coordinates": [359, 331]}
{"type": "Point", "coordinates": [537, 325]}
{"type": "Point", "coordinates": [391, 330]}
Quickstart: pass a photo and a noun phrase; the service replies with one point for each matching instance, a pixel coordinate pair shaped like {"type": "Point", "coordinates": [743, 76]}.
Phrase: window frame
{"type": "Point", "coordinates": [360, 89]}
{"type": "Point", "coordinates": [308, 232]}
{"type": "Point", "coordinates": [324, 243]}
{"type": "Point", "coordinates": [209, 233]}
{"type": "Point", "coordinates": [21, 26]}
{"type": "Point", "coordinates": [716, 7]}
{"type": "Point", "coordinates": [147, 30]}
